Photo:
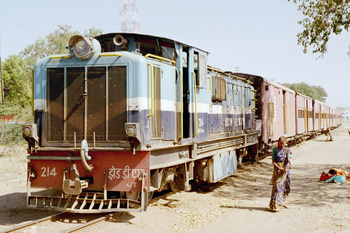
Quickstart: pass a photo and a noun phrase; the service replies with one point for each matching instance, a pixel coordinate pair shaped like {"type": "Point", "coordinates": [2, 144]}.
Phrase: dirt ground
{"type": "Point", "coordinates": [236, 204]}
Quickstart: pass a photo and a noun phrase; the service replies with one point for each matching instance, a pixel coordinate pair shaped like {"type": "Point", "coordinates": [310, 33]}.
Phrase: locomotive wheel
{"type": "Point", "coordinates": [178, 183]}
{"type": "Point", "coordinates": [256, 157]}
{"type": "Point", "coordinates": [150, 195]}
{"type": "Point", "coordinates": [174, 186]}
{"type": "Point", "coordinates": [239, 160]}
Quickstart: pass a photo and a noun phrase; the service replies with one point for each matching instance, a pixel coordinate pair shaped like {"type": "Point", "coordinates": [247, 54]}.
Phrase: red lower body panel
{"type": "Point", "coordinates": [113, 171]}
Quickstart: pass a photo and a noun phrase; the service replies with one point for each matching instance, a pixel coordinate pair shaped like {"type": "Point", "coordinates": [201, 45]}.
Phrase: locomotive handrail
{"type": "Point", "coordinates": [209, 84]}
{"type": "Point", "coordinates": [66, 158]}
{"type": "Point", "coordinates": [254, 95]}
{"type": "Point", "coordinates": [239, 78]}
{"type": "Point", "coordinates": [111, 54]}
{"type": "Point", "coordinates": [195, 104]}
{"type": "Point", "coordinates": [182, 107]}
{"type": "Point", "coordinates": [152, 90]}
{"type": "Point", "coordinates": [214, 69]}
{"type": "Point", "coordinates": [32, 80]}
{"type": "Point", "coordinates": [149, 55]}
{"type": "Point", "coordinates": [60, 57]}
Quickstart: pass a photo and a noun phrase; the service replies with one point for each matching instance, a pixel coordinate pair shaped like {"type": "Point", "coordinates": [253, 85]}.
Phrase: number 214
{"type": "Point", "coordinates": [47, 171]}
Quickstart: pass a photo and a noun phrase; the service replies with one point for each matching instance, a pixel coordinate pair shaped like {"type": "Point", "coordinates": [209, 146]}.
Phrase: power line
{"type": "Point", "coordinates": [18, 23]}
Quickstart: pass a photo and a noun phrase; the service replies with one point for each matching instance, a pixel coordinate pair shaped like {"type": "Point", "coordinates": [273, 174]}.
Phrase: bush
{"type": "Point", "coordinates": [11, 133]}
{"type": "Point", "coordinates": [11, 128]}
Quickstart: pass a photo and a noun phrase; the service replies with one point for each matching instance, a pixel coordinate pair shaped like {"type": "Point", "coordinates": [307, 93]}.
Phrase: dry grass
{"type": "Point", "coordinates": [13, 161]}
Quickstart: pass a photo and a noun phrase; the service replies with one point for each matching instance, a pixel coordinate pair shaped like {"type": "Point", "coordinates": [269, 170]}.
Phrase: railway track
{"type": "Point", "coordinates": [57, 221]}
{"type": "Point", "coordinates": [64, 221]}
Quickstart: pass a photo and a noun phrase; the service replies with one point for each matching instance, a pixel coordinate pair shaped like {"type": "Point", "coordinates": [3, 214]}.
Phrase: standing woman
{"type": "Point", "coordinates": [281, 175]}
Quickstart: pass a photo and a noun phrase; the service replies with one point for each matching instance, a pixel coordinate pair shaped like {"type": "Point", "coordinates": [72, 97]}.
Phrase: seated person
{"type": "Point", "coordinates": [335, 175]}
{"type": "Point", "coordinates": [339, 172]}
{"type": "Point", "coordinates": [336, 179]}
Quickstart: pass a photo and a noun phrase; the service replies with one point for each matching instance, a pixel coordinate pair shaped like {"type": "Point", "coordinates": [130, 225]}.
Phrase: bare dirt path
{"type": "Point", "coordinates": [236, 204]}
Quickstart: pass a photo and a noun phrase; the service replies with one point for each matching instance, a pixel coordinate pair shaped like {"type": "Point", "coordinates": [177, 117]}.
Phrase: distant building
{"type": "Point", "coordinates": [345, 112]}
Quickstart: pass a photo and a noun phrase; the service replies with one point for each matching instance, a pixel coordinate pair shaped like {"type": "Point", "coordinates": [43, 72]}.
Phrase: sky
{"type": "Point", "coordinates": [252, 36]}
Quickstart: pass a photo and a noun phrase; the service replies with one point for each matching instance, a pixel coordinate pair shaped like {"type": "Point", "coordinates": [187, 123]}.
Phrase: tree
{"type": "Point", "coordinates": [54, 43]}
{"type": "Point", "coordinates": [322, 94]}
{"type": "Point", "coordinates": [16, 76]}
{"type": "Point", "coordinates": [323, 18]}
{"type": "Point", "coordinates": [92, 32]}
{"type": "Point", "coordinates": [17, 68]}
{"type": "Point", "coordinates": [315, 92]}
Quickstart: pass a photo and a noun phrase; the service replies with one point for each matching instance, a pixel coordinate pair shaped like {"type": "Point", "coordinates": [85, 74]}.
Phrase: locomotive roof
{"type": "Point", "coordinates": [144, 36]}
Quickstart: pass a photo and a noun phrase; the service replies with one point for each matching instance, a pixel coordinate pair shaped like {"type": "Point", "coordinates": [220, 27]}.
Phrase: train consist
{"type": "Point", "coordinates": [125, 115]}
{"type": "Point", "coordinates": [282, 111]}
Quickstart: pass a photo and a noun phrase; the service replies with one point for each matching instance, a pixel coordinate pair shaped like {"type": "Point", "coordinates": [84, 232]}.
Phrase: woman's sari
{"type": "Point", "coordinates": [280, 180]}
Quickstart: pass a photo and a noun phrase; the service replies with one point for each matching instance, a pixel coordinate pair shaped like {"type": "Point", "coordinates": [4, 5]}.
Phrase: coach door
{"type": "Point", "coordinates": [306, 115]}
{"type": "Point", "coordinates": [285, 113]}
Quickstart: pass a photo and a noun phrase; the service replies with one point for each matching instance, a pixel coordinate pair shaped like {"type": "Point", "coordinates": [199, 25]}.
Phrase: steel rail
{"type": "Point", "coordinates": [88, 223]}
{"type": "Point", "coordinates": [15, 228]}
{"type": "Point", "coordinates": [54, 218]}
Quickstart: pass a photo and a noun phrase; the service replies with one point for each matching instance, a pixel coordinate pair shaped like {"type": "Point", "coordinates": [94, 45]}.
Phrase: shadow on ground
{"type": "Point", "coordinates": [252, 182]}
{"type": "Point", "coordinates": [14, 210]}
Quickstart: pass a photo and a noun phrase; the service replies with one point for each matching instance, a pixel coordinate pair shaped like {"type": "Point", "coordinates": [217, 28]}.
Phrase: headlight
{"type": "Point", "coordinates": [30, 131]}
{"type": "Point", "coordinates": [130, 130]}
{"type": "Point", "coordinates": [27, 132]}
{"type": "Point", "coordinates": [30, 134]}
{"type": "Point", "coordinates": [82, 46]}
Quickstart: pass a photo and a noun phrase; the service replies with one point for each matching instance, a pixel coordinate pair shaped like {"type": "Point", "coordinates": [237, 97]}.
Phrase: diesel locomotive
{"type": "Point", "coordinates": [124, 115]}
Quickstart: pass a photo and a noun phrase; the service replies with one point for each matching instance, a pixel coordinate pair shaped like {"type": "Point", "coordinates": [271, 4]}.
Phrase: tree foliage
{"type": "Point", "coordinates": [17, 69]}
{"type": "Point", "coordinates": [315, 92]}
{"type": "Point", "coordinates": [54, 43]}
{"type": "Point", "coordinates": [16, 78]}
{"type": "Point", "coordinates": [323, 18]}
